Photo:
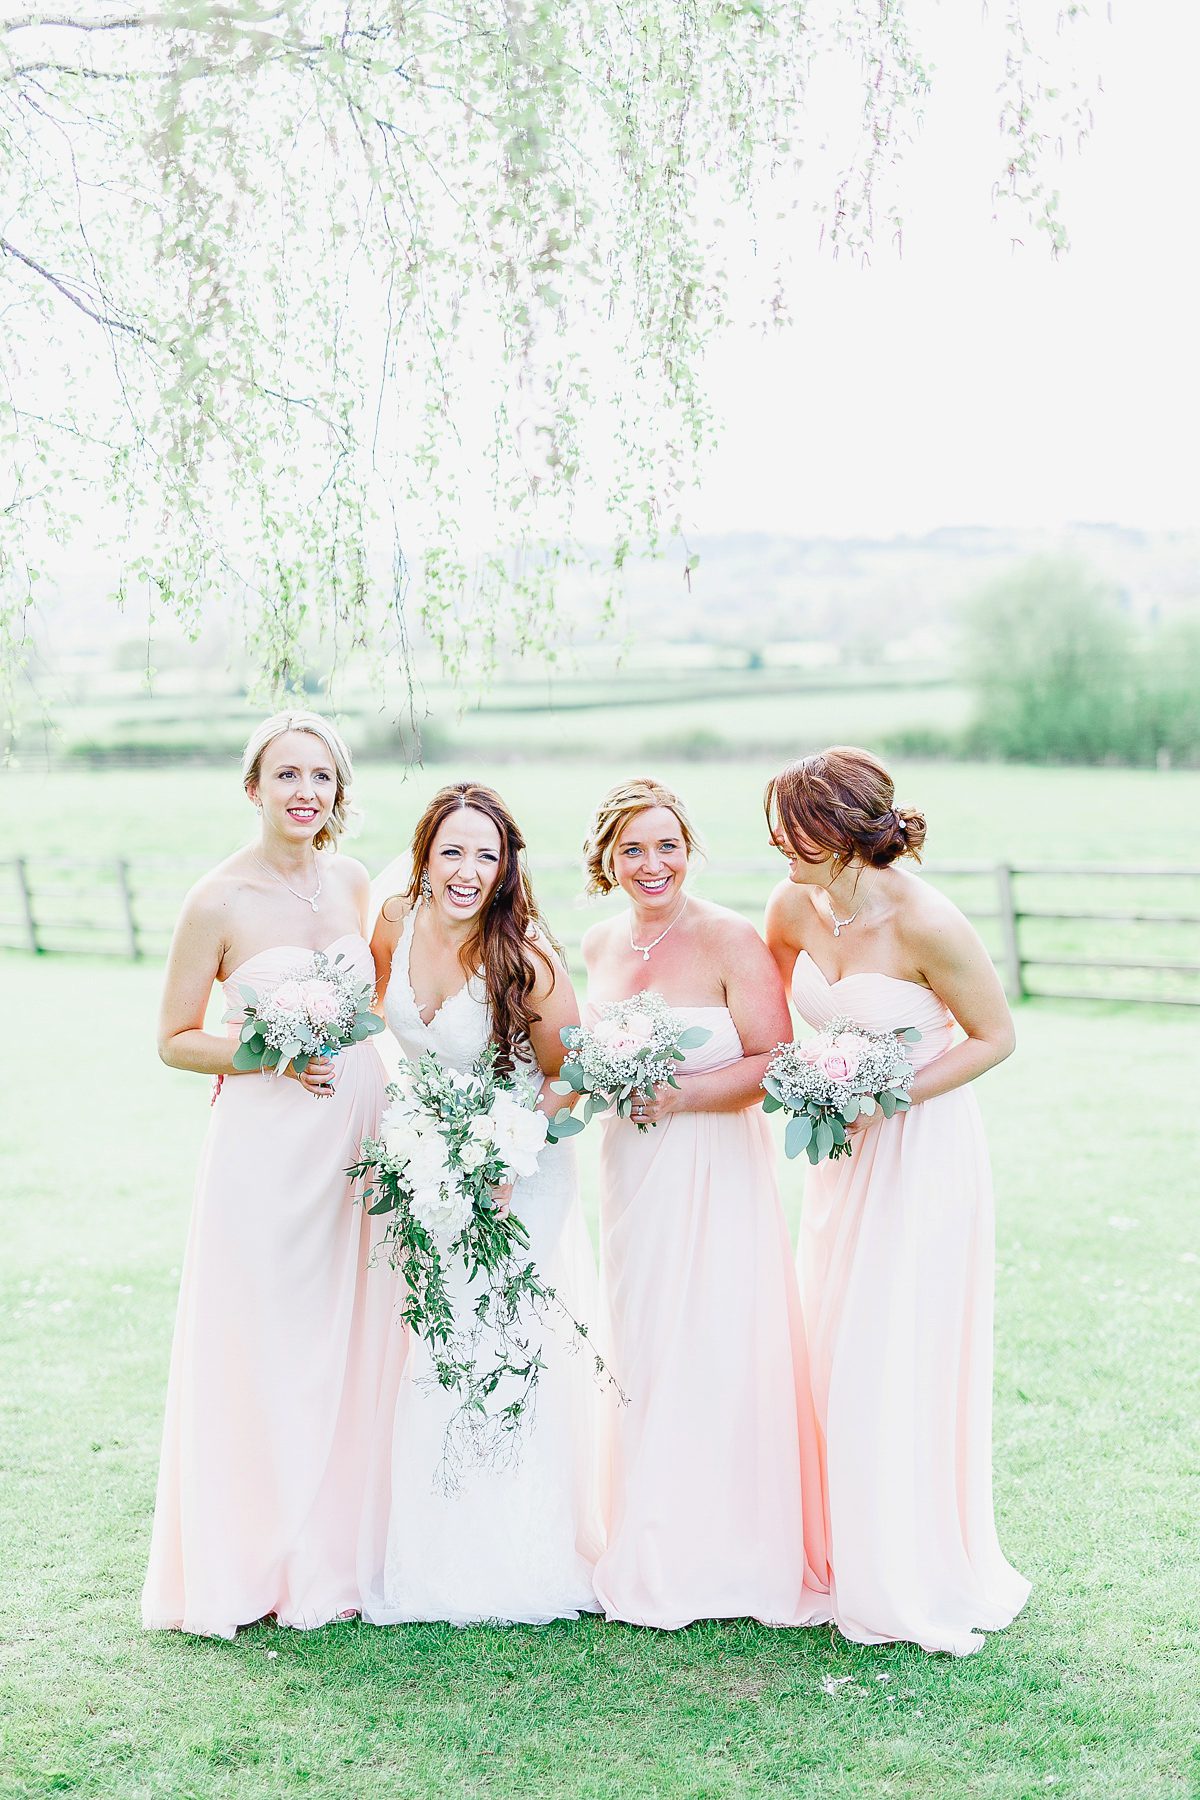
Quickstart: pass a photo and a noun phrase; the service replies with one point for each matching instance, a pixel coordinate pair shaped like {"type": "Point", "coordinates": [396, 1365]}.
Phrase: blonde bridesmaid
{"type": "Point", "coordinates": [896, 1241]}
{"type": "Point", "coordinates": [716, 1504]}
{"type": "Point", "coordinates": [272, 1389]}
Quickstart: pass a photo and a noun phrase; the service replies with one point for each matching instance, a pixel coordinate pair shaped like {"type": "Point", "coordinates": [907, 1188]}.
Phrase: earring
{"type": "Point", "coordinates": [426, 885]}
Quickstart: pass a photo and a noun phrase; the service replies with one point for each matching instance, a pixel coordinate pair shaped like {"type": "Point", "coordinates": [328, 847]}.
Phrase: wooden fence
{"type": "Point", "coordinates": [1096, 930]}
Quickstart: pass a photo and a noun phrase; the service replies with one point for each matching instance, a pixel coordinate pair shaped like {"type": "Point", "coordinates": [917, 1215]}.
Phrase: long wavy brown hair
{"type": "Point", "coordinates": [503, 943]}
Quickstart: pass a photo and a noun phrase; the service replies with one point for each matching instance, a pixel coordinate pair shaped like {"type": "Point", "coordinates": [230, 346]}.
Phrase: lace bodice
{"type": "Point", "coordinates": [459, 1030]}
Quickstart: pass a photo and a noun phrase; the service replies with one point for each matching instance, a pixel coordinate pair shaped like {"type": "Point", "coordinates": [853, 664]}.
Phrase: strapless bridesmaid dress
{"type": "Point", "coordinates": [896, 1265]}
{"type": "Point", "coordinates": [278, 1337]}
{"type": "Point", "coordinates": [716, 1492]}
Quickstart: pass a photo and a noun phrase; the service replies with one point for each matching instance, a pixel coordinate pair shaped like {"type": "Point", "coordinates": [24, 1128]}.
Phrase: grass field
{"type": "Point", "coordinates": [1096, 1144]}
{"type": "Point", "coordinates": [1092, 1693]}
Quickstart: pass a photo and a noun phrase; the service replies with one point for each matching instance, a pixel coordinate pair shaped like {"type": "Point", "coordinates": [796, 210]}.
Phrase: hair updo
{"type": "Point", "coordinates": [841, 801]}
{"type": "Point", "coordinates": [344, 816]}
{"type": "Point", "coordinates": [619, 805]}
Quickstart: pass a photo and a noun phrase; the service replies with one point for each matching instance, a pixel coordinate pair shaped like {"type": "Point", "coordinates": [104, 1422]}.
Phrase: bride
{"type": "Point", "coordinates": [462, 961]}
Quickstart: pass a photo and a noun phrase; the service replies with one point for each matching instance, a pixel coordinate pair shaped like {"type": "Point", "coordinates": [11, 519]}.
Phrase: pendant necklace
{"type": "Point", "coordinates": [647, 948]}
{"type": "Point", "coordinates": [308, 899]}
{"type": "Point", "coordinates": [839, 925]}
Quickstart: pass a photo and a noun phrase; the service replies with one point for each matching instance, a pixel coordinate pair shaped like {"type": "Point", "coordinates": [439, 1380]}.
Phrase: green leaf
{"type": "Point", "coordinates": [910, 1035]}
{"type": "Point", "coordinates": [771, 1104]}
{"type": "Point", "coordinates": [824, 1138]}
{"type": "Point", "coordinates": [693, 1037]}
{"type": "Point", "coordinates": [773, 1088]}
{"type": "Point", "coordinates": [797, 1135]}
{"type": "Point", "coordinates": [564, 1128]}
{"type": "Point", "coordinates": [561, 1087]}
{"type": "Point", "coordinates": [249, 1030]}
{"type": "Point", "coordinates": [248, 995]}
{"type": "Point", "coordinates": [850, 1111]}
{"type": "Point", "coordinates": [373, 1023]}
{"type": "Point", "coordinates": [887, 1103]}
{"type": "Point", "coordinates": [838, 1130]}
{"type": "Point", "coordinates": [814, 1155]}
{"type": "Point", "coordinates": [245, 1058]}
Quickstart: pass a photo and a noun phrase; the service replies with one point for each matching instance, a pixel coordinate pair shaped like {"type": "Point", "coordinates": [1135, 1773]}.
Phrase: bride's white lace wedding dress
{"type": "Point", "coordinates": [514, 1541]}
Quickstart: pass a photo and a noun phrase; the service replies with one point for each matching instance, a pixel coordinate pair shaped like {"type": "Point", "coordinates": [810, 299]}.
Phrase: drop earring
{"type": "Point", "coordinates": [426, 885]}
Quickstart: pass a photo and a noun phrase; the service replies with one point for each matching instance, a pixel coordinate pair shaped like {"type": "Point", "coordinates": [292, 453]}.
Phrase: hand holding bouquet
{"type": "Point", "coordinates": [316, 1010]}
{"type": "Point", "coordinates": [831, 1080]}
{"type": "Point", "coordinates": [445, 1142]}
{"type": "Point", "coordinates": [632, 1049]}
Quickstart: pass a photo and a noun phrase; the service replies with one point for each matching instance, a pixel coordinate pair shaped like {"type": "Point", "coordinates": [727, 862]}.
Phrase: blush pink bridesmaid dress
{"type": "Point", "coordinates": [279, 1350]}
{"type": "Point", "coordinates": [896, 1272]}
{"type": "Point", "coordinates": [716, 1497]}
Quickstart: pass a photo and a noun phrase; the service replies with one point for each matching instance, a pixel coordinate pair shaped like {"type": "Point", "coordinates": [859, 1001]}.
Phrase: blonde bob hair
{"type": "Point", "coordinates": [619, 805]}
{"type": "Point", "coordinates": [344, 816]}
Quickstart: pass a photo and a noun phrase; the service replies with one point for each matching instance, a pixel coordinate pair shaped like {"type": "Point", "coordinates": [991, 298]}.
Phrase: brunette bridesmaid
{"type": "Point", "coordinates": [716, 1503]}
{"type": "Point", "coordinates": [896, 1240]}
{"type": "Point", "coordinates": [271, 1395]}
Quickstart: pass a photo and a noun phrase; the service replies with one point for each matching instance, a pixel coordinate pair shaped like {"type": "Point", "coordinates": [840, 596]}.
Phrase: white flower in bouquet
{"type": "Point", "coordinates": [482, 1129]}
{"type": "Point", "coordinates": [442, 1209]}
{"type": "Point", "coordinates": [518, 1134]}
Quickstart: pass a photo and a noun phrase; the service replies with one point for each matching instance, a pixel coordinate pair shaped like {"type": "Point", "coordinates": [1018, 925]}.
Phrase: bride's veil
{"type": "Point", "coordinates": [392, 880]}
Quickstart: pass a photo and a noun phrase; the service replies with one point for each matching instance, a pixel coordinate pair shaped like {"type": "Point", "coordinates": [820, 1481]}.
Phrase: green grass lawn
{"type": "Point", "coordinates": [1092, 1693]}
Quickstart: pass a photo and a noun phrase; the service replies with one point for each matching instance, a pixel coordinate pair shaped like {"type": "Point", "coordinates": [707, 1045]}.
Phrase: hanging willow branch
{"type": "Point", "coordinates": [279, 280]}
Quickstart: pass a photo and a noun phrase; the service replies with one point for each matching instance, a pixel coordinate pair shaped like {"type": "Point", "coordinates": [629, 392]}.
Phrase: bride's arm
{"type": "Point", "coordinates": [755, 998]}
{"type": "Point", "coordinates": [554, 998]}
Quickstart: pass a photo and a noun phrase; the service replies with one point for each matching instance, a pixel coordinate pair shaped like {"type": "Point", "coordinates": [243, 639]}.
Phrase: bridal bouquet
{"type": "Point", "coordinates": [445, 1142]}
{"type": "Point", "coordinates": [632, 1048]}
{"type": "Point", "coordinates": [828, 1081]}
{"type": "Point", "coordinates": [317, 1010]}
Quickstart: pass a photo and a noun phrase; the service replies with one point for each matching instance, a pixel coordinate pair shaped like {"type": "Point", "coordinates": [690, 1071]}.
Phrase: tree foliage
{"type": "Point", "coordinates": [1062, 673]}
{"type": "Point", "coordinates": [280, 277]}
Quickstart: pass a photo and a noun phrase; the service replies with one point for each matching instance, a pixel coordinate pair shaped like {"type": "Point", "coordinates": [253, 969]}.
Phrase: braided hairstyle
{"type": "Point", "coordinates": [841, 801]}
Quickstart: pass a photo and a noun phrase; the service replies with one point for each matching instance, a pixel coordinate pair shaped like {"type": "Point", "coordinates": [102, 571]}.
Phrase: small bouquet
{"type": "Point", "coordinates": [632, 1049]}
{"type": "Point", "coordinates": [445, 1142]}
{"type": "Point", "coordinates": [317, 1010]}
{"type": "Point", "coordinates": [828, 1081]}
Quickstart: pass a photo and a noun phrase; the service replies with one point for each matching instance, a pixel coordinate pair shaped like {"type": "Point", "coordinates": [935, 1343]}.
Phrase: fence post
{"type": "Point", "coordinates": [27, 905]}
{"type": "Point", "coordinates": [131, 936]}
{"type": "Point", "coordinates": [1014, 976]}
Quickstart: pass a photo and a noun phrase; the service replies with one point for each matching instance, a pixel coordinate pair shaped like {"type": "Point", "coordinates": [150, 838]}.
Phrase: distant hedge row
{"type": "Point", "coordinates": [1062, 674]}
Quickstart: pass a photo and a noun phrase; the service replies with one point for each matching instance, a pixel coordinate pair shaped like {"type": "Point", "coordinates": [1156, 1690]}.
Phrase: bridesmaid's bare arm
{"type": "Point", "coordinates": [383, 945]}
{"type": "Point", "coordinates": [784, 937]}
{"type": "Point", "coordinates": [755, 998]}
{"type": "Point", "coordinates": [948, 951]}
{"type": "Point", "coordinates": [198, 948]}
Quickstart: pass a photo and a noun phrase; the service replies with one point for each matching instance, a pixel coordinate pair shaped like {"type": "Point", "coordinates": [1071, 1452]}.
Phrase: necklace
{"type": "Point", "coordinates": [647, 948]}
{"type": "Point", "coordinates": [839, 925]}
{"type": "Point", "coordinates": [309, 900]}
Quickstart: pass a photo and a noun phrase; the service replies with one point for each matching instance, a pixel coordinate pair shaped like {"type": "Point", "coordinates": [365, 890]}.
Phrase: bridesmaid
{"type": "Point", "coordinates": [715, 1458]}
{"type": "Point", "coordinates": [271, 1398]}
{"type": "Point", "coordinates": [896, 1241]}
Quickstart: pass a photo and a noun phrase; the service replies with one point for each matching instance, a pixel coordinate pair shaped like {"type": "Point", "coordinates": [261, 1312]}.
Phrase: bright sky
{"type": "Point", "coordinates": [971, 382]}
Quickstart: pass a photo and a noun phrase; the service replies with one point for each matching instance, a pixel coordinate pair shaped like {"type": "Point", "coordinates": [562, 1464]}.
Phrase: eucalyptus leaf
{"type": "Point", "coordinates": [824, 1138]}
{"type": "Point", "coordinates": [797, 1135]}
{"type": "Point", "coordinates": [248, 995]}
{"type": "Point", "coordinates": [562, 1087]}
{"type": "Point", "coordinates": [244, 1058]}
{"type": "Point", "coordinates": [771, 1104]}
{"type": "Point", "coordinates": [887, 1103]}
{"type": "Point", "coordinates": [910, 1035]}
{"type": "Point", "coordinates": [693, 1037]}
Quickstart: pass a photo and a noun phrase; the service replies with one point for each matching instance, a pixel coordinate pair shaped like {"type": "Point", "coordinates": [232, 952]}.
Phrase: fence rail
{"type": "Point", "coordinates": [1033, 916]}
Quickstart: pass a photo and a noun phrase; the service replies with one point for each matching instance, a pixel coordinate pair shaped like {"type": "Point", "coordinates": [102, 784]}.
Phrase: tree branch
{"type": "Point", "coordinates": [60, 286]}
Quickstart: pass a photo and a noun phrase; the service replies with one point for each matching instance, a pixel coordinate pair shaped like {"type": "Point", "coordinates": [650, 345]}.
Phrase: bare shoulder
{"type": "Point", "coordinates": [210, 900]}
{"type": "Point", "coordinates": [930, 924]}
{"type": "Point", "coordinates": [598, 937]}
{"type": "Point", "coordinates": [351, 874]}
{"type": "Point", "coordinates": [787, 910]}
{"type": "Point", "coordinates": [392, 915]}
{"type": "Point", "coordinates": [726, 935]}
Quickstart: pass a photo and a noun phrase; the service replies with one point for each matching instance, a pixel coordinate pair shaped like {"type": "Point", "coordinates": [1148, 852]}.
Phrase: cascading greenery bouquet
{"type": "Point", "coordinates": [830, 1080]}
{"type": "Point", "coordinates": [446, 1142]}
{"type": "Point", "coordinates": [633, 1048]}
{"type": "Point", "coordinates": [316, 1010]}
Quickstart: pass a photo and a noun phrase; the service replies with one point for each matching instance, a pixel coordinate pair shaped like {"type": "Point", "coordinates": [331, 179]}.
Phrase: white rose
{"type": "Point", "coordinates": [428, 1160]}
{"type": "Point", "coordinates": [399, 1132]}
{"type": "Point", "coordinates": [482, 1128]}
{"type": "Point", "coordinates": [519, 1134]}
{"type": "Point", "coordinates": [442, 1210]}
{"type": "Point", "coordinates": [473, 1155]}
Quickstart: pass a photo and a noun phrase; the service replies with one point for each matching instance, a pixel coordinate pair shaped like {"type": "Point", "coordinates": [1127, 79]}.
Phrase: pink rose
{"type": "Point", "coordinates": [838, 1065]}
{"type": "Point", "coordinates": [288, 997]}
{"type": "Point", "coordinates": [625, 1037]}
{"type": "Point", "coordinates": [321, 1002]}
{"type": "Point", "coordinates": [816, 1048]}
